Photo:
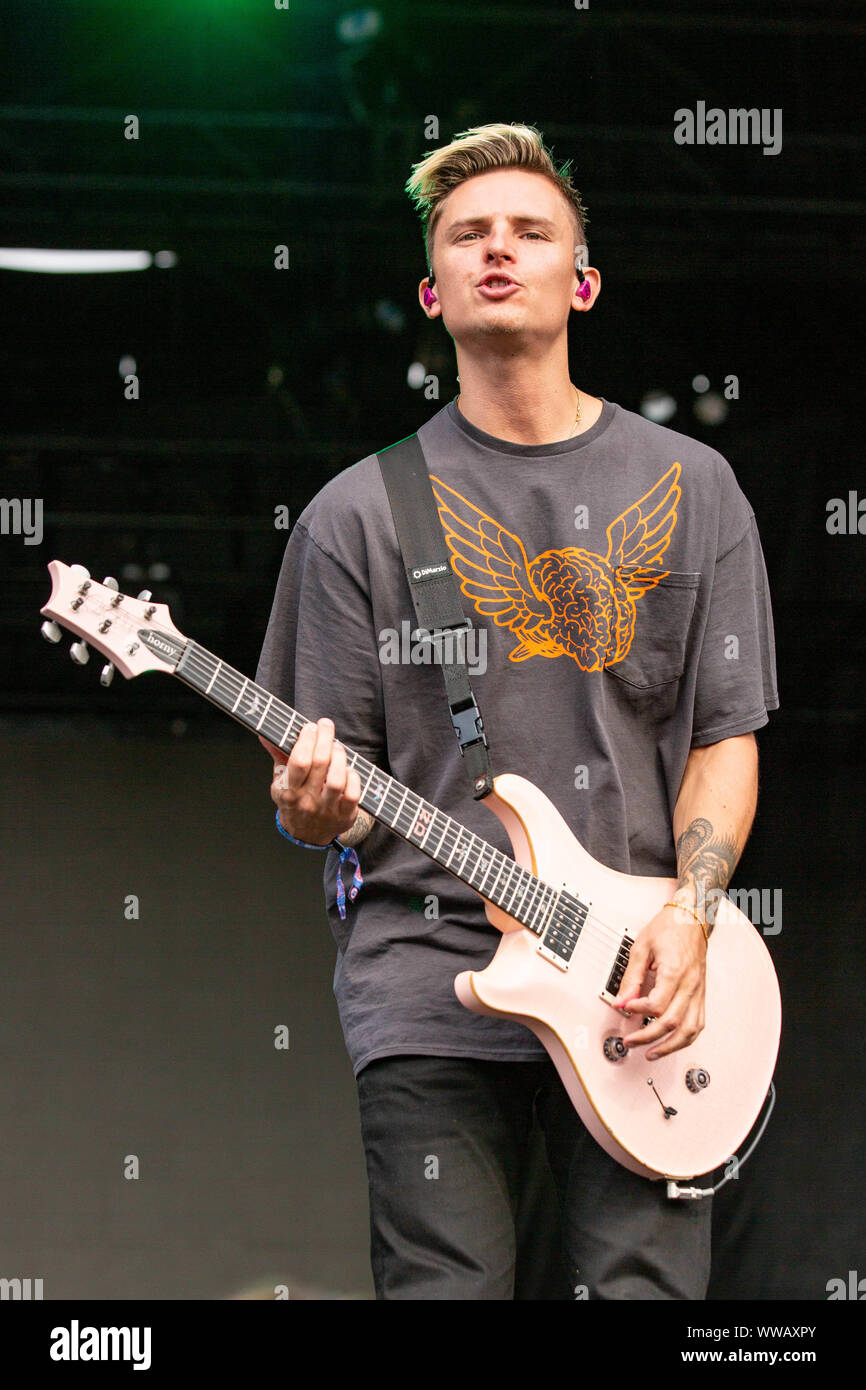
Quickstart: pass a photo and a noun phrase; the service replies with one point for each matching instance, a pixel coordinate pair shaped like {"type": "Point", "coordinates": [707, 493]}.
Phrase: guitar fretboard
{"type": "Point", "coordinates": [467, 856]}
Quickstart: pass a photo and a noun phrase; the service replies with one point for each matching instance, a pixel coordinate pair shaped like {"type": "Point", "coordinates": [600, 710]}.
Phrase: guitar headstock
{"type": "Point", "coordinates": [134, 634]}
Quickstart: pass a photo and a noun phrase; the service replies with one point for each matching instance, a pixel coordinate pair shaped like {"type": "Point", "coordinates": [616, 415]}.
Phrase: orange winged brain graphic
{"type": "Point", "coordinates": [568, 602]}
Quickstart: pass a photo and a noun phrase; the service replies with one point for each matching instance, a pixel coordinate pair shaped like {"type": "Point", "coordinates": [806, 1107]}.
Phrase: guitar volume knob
{"type": "Point", "coordinates": [697, 1079]}
{"type": "Point", "coordinates": [615, 1049]}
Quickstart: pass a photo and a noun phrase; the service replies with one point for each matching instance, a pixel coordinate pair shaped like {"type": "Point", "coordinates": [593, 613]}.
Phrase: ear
{"type": "Point", "coordinates": [592, 278]}
{"type": "Point", "coordinates": [433, 309]}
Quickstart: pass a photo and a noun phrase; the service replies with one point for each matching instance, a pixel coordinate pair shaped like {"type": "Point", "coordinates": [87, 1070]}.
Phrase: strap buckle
{"type": "Point", "coordinates": [468, 725]}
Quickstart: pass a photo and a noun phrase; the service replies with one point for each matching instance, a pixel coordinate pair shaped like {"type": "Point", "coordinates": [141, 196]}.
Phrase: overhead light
{"type": "Point", "coordinates": [416, 375]}
{"type": "Point", "coordinates": [358, 25]}
{"type": "Point", "coordinates": [711, 409]}
{"type": "Point", "coordinates": [389, 315]}
{"type": "Point", "coordinates": [658, 406]}
{"type": "Point", "coordinates": [48, 262]}
{"type": "Point", "coordinates": [700, 383]}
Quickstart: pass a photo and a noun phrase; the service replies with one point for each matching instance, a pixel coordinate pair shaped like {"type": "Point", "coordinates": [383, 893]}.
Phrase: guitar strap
{"type": "Point", "coordinates": [436, 597]}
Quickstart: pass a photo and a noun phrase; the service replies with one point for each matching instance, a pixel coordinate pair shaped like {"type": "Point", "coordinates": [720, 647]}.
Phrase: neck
{"type": "Point", "coordinates": [465, 855]}
{"type": "Point", "coordinates": [523, 402]}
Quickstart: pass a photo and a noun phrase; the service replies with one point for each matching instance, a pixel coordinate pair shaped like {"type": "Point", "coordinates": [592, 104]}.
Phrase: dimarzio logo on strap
{"type": "Point", "coordinates": [427, 570]}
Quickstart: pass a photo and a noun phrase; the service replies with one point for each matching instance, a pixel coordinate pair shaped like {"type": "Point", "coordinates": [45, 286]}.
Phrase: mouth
{"type": "Point", "coordinates": [498, 287]}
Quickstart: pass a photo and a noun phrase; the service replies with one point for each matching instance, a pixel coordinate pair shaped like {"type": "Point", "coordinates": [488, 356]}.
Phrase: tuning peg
{"type": "Point", "coordinates": [80, 572]}
{"type": "Point", "coordinates": [109, 582]}
{"type": "Point", "coordinates": [80, 653]}
{"type": "Point", "coordinates": [51, 632]}
{"type": "Point", "coordinates": [106, 675]}
{"type": "Point", "coordinates": [145, 593]}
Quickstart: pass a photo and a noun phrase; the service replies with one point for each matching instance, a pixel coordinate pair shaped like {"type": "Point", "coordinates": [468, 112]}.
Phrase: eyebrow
{"type": "Point", "coordinates": [518, 218]}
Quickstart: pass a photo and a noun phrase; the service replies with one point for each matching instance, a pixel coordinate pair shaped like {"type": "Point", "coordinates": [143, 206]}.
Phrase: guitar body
{"type": "Point", "coordinates": [736, 1050]}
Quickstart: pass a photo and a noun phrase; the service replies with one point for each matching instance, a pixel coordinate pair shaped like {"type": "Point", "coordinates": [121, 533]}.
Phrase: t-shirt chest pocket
{"type": "Point", "coordinates": [663, 615]}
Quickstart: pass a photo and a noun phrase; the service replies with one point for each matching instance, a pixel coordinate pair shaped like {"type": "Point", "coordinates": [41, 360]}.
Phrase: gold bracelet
{"type": "Point", "coordinates": [701, 923]}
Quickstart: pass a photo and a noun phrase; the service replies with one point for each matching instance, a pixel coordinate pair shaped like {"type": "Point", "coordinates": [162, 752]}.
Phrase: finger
{"type": "Point", "coordinates": [350, 795]}
{"type": "Point", "coordinates": [653, 1003]}
{"type": "Point", "coordinates": [300, 764]}
{"type": "Point", "coordinates": [659, 997]}
{"type": "Point", "coordinates": [665, 1005]}
{"type": "Point", "coordinates": [632, 981]}
{"type": "Point", "coordinates": [334, 785]}
{"type": "Point", "coordinates": [678, 1018]}
{"type": "Point", "coordinates": [670, 977]}
{"type": "Point", "coordinates": [680, 1037]}
{"type": "Point", "coordinates": [322, 753]}
{"type": "Point", "coordinates": [650, 1033]}
{"type": "Point", "coordinates": [350, 799]}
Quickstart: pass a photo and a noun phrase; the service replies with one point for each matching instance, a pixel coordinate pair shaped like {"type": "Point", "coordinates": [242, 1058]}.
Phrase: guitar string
{"type": "Point", "coordinates": [592, 949]}
{"type": "Point", "coordinates": [200, 659]}
{"type": "Point", "coordinates": [230, 679]}
{"type": "Point", "coordinates": [613, 935]}
{"type": "Point", "coordinates": [200, 662]}
{"type": "Point", "coordinates": [228, 674]}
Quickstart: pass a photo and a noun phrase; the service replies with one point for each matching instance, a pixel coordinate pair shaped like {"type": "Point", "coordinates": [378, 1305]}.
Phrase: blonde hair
{"type": "Point", "coordinates": [496, 146]}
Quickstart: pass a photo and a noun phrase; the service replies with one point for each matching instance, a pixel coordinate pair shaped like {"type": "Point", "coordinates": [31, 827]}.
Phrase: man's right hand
{"type": "Point", "coordinates": [316, 792]}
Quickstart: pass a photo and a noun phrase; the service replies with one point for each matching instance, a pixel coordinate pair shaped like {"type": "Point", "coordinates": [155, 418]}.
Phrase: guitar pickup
{"type": "Point", "coordinates": [553, 957]}
{"type": "Point", "coordinates": [611, 989]}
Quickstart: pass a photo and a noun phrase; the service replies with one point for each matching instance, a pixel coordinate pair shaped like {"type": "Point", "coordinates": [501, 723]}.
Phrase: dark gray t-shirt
{"type": "Point", "coordinates": [620, 605]}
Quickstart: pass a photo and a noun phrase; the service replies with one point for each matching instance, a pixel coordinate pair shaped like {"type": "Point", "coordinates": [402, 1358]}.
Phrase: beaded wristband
{"type": "Point", "coordinates": [345, 852]}
{"type": "Point", "coordinates": [700, 922]}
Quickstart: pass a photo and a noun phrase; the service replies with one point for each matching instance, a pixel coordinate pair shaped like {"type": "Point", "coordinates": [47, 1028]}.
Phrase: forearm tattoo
{"type": "Point", "coordinates": [705, 861]}
{"type": "Point", "coordinates": [362, 825]}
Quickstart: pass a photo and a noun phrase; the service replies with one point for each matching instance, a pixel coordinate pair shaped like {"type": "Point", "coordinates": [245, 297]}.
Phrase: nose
{"type": "Point", "coordinates": [500, 242]}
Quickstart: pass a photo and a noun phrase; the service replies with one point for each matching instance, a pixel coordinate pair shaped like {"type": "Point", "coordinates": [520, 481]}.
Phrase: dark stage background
{"type": "Point", "coordinates": [154, 1037]}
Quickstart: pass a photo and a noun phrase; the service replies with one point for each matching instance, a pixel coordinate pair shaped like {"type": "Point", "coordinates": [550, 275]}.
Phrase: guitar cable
{"type": "Point", "coordinates": [688, 1193]}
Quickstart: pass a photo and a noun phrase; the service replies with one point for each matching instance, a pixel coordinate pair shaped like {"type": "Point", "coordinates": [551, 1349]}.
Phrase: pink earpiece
{"type": "Point", "coordinates": [585, 290]}
{"type": "Point", "coordinates": [429, 298]}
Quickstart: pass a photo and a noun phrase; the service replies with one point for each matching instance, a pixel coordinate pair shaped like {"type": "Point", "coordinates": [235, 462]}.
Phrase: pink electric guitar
{"type": "Point", "coordinates": [567, 921]}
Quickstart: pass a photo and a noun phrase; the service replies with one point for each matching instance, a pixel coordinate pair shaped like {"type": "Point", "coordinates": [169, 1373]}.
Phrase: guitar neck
{"type": "Point", "coordinates": [497, 877]}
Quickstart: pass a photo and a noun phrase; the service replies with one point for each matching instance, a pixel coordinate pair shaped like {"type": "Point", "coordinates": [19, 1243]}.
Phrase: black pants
{"type": "Point", "coordinates": [446, 1145]}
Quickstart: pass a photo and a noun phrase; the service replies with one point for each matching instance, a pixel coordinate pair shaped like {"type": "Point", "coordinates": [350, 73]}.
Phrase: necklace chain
{"type": "Point", "coordinates": [576, 418]}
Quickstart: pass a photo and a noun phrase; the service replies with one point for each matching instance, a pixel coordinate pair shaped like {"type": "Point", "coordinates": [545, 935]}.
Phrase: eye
{"type": "Point", "coordinates": [540, 235]}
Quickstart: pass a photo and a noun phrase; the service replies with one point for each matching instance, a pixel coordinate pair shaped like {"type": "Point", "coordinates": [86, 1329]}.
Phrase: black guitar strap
{"type": "Point", "coordinates": [436, 597]}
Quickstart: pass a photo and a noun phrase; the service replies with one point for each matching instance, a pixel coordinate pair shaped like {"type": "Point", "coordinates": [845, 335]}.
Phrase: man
{"type": "Point", "coordinates": [615, 570]}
